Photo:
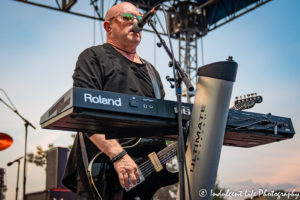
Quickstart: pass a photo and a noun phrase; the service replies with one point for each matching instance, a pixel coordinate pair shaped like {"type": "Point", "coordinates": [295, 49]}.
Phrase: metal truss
{"type": "Point", "coordinates": [188, 60]}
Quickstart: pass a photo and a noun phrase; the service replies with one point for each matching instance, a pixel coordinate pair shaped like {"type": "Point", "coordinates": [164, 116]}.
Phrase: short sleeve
{"type": "Point", "coordinates": [89, 73]}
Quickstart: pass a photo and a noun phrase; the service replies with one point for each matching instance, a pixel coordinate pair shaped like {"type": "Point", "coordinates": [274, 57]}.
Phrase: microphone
{"type": "Point", "coordinates": [18, 160]}
{"type": "Point", "coordinates": [138, 26]}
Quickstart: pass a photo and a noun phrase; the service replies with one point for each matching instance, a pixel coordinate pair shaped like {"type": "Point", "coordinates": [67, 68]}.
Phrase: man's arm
{"type": "Point", "coordinates": [125, 166]}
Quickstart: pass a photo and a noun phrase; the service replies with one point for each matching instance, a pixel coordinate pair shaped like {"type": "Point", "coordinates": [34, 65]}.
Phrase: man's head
{"type": "Point", "coordinates": [119, 31]}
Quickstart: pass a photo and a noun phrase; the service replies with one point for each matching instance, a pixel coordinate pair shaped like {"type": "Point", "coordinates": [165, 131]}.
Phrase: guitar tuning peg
{"type": "Point", "coordinates": [241, 97]}
{"type": "Point", "coordinates": [248, 95]}
{"type": "Point", "coordinates": [252, 94]}
{"type": "Point", "coordinates": [237, 98]}
{"type": "Point", "coordinates": [244, 96]}
{"type": "Point", "coordinates": [255, 94]}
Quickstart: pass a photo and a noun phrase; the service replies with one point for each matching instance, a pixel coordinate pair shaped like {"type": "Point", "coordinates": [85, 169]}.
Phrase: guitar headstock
{"type": "Point", "coordinates": [247, 102]}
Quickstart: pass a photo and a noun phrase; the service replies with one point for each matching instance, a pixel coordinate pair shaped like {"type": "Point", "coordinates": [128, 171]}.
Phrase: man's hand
{"type": "Point", "coordinates": [126, 168]}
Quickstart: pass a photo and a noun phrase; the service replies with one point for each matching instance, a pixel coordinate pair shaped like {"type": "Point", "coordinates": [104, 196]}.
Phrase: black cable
{"type": "Point", "coordinates": [94, 27]}
{"type": "Point", "coordinates": [202, 51]}
{"type": "Point", "coordinates": [100, 27]}
{"type": "Point", "coordinates": [154, 45]}
{"type": "Point", "coordinates": [173, 60]}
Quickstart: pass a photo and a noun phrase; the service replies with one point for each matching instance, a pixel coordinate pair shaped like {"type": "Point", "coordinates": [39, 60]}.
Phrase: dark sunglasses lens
{"type": "Point", "coordinates": [127, 17]}
{"type": "Point", "coordinates": [139, 17]}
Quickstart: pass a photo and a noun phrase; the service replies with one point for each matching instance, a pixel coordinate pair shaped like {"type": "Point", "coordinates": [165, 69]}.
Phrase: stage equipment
{"type": "Point", "coordinates": [9, 164]}
{"type": "Point", "coordinates": [207, 127]}
{"type": "Point", "coordinates": [56, 162]}
{"type": "Point", "coordinates": [52, 194]}
{"type": "Point", "coordinates": [5, 141]}
{"type": "Point", "coordinates": [26, 124]}
{"type": "Point", "coordinates": [81, 109]}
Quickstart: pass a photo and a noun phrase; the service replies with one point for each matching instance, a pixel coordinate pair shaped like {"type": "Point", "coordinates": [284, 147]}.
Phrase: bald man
{"type": "Point", "coordinates": [114, 66]}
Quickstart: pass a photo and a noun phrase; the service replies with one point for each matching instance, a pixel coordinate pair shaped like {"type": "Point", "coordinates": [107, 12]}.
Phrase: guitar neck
{"type": "Point", "coordinates": [167, 153]}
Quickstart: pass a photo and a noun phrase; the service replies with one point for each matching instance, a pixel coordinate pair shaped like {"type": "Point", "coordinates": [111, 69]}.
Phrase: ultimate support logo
{"type": "Point", "coordinates": [100, 100]}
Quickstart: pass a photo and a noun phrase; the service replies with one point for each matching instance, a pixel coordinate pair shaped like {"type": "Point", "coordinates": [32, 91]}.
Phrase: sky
{"type": "Point", "coordinates": [39, 48]}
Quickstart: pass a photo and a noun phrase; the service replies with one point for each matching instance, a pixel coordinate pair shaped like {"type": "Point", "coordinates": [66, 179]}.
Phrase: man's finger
{"type": "Point", "coordinates": [121, 178]}
{"type": "Point", "coordinates": [127, 184]}
{"type": "Point", "coordinates": [132, 178]}
{"type": "Point", "coordinates": [136, 173]}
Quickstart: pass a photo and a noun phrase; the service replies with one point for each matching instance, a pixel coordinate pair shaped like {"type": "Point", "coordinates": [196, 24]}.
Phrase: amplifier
{"type": "Point", "coordinates": [56, 162]}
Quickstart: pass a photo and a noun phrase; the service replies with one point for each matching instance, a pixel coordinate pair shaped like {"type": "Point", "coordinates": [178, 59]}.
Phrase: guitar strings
{"type": "Point", "coordinates": [159, 154]}
{"type": "Point", "coordinates": [149, 168]}
{"type": "Point", "coordinates": [163, 161]}
{"type": "Point", "coordinates": [148, 164]}
{"type": "Point", "coordinates": [152, 169]}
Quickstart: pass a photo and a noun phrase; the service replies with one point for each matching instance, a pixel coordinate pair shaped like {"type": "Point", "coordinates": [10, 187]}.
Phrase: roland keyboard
{"type": "Point", "coordinates": [125, 116]}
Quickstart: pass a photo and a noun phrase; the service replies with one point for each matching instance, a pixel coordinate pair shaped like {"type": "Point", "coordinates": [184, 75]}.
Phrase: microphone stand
{"type": "Point", "coordinates": [27, 123]}
{"type": "Point", "coordinates": [180, 76]}
{"type": "Point", "coordinates": [9, 164]}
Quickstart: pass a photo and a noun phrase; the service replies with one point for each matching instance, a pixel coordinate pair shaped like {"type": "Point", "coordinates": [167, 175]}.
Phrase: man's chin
{"type": "Point", "coordinates": [136, 39]}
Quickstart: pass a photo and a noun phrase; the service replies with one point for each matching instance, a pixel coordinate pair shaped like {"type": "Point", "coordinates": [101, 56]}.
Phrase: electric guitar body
{"type": "Point", "coordinates": [104, 177]}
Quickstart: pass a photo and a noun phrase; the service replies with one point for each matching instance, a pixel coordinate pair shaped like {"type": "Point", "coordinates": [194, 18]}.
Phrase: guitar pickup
{"type": "Point", "coordinates": [155, 161]}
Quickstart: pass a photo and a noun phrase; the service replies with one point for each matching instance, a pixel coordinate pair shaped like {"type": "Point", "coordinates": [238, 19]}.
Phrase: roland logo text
{"type": "Point", "coordinates": [100, 100]}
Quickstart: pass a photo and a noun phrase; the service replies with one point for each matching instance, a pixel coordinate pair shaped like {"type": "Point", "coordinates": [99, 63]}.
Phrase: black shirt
{"type": "Point", "coordinates": [104, 68]}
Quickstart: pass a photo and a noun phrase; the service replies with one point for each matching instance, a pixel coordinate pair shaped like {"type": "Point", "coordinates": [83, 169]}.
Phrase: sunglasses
{"type": "Point", "coordinates": [128, 17]}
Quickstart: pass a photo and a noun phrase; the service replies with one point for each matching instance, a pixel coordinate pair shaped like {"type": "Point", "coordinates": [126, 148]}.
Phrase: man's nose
{"type": "Point", "coordinates": [135, 19]}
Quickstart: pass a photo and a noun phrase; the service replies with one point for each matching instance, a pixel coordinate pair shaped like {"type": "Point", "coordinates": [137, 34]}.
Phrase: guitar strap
{"type": "Point", "coordinates": [86, 162]}
{"type": "Point", "coordinates": [153, 79]}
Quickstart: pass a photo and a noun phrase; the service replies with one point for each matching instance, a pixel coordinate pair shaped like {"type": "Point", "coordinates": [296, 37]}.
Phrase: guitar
{"type": "Point", "coordinates": [246, 103]}
{"type": "Point", "coordinates": [153, 176]}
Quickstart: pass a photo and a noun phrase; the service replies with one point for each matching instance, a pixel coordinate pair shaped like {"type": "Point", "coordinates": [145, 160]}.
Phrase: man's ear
{"type": "Point", "coordinates": [107, 26]}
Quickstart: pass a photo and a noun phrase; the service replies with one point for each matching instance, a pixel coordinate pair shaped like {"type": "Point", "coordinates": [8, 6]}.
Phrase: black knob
{"type": "Point", "coordinates": [229, 58]}
{"type": "Point", "coordinates": [158, 44]}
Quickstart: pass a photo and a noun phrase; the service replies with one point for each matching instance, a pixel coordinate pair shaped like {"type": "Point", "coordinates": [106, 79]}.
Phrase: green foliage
{"type": "Point", "coordinates": [40, 158]}
{"type": "Point", "coordinates": [72, 136]}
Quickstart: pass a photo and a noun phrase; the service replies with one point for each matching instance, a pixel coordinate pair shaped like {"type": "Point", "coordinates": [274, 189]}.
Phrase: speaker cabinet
{"type": "Point", "coordinates": [56, 162]}
{"type": "Point", "coordinates": [52, 194]}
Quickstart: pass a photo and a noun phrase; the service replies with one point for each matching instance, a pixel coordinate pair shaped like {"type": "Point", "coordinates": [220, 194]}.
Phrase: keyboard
{"type": "Point", "coordinates": [126, 116]}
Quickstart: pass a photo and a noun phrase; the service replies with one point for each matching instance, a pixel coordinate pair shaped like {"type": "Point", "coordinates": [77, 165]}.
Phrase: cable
{"type": "Point", "coordinates": [154, 45]}
{"type": "Point", "coordinates": [94, 27]}
{"type": "Point", "coordinates": [101, 28]}
{"type": "Point", "coordinates": [173, 60]}
{"type": "Point", "coordinates": [9, 99]}
{"type": "Point", "coordinates": [202, 51]}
